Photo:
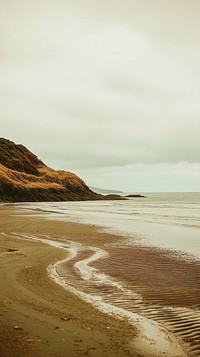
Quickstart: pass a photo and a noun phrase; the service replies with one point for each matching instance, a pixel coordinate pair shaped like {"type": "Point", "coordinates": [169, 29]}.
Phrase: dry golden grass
{"type": "Point", "coordinates": [60, 175]}
{"type": "Point", "coordinates": [48, 178]}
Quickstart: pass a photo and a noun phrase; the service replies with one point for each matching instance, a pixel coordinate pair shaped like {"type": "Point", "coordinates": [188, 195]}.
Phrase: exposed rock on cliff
{"type": "Point", "coordinates": [23, 177]}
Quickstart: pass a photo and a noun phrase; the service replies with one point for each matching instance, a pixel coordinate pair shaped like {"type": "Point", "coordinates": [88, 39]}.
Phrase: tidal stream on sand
{"type": "Point", "coordinates": [157, 321]}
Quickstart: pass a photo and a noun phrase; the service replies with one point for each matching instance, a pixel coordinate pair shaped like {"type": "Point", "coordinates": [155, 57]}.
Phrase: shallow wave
{"type": "Point", "coordinates": [154, 223]}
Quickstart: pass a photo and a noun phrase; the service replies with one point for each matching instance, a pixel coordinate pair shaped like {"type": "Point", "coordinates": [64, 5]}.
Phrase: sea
{"type": "Point", "coordinates": [153, 269]}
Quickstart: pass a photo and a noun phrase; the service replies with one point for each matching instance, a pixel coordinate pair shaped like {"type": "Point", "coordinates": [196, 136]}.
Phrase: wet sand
{"type": "Point", "coordinates": [38, 317]}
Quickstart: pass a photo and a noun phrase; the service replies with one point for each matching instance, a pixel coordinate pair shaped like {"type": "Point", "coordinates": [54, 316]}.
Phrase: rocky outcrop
{"type": "Point", "coordinates": [23, 177]}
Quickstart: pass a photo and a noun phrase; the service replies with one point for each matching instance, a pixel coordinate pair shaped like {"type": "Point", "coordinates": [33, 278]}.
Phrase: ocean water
{"type": "Point", "coordinates": [153, 269]}
{"type": "Point", "coordinates": [168, 220]}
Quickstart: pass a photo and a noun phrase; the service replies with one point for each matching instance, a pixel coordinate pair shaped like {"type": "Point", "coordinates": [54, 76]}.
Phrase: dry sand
{"type": "Point", "coordinates": [40, 318]}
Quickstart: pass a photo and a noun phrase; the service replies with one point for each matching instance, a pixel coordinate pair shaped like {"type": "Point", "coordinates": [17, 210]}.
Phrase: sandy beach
{"type": "Point", "coordinates": [39, 317]}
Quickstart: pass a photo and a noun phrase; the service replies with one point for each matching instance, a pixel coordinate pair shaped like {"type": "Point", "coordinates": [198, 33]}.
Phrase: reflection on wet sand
{"type": "Point", "coordinates": [169, 285]}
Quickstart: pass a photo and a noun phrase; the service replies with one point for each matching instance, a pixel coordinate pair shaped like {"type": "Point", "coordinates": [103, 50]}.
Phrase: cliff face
{"type": "Point", "coordinates": [23, 177]}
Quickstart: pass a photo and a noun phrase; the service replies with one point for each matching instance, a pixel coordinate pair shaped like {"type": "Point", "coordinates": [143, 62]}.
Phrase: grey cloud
{"type": "Point", "coordinates": [104, 84]}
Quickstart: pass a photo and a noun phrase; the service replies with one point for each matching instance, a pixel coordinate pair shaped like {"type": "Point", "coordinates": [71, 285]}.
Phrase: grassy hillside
{"type": "Point", "coordinates": [23, 177]}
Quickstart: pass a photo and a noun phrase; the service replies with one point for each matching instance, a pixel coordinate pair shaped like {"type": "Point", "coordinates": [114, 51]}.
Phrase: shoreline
{"type": "Point", "coordinates": [167, 232]}
{"type": "Point", "coordinates": [30, 223]}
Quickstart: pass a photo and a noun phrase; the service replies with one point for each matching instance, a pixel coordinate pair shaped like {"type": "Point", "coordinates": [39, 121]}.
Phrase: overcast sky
{"type": "Point", "coordinates": [107, 89]}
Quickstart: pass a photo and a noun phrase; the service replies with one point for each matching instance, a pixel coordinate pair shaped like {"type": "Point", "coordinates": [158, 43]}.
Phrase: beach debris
{"type": "Point", "coordinates": [65, 318]}
{"type": "Point", "coordinates": [29, 340]}
{"type": "Point", "coordinates": [18, 328]}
